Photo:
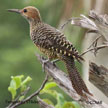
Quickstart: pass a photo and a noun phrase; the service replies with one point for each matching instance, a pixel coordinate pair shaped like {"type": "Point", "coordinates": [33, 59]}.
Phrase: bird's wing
{"type": "Point", "coordinates": [61, 45]}
{"type": "Point", "coordinates": [54, 40]}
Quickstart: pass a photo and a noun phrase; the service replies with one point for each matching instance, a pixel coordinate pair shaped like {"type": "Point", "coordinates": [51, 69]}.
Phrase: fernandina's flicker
{"type": "Point", "coordinates": [53, 43]}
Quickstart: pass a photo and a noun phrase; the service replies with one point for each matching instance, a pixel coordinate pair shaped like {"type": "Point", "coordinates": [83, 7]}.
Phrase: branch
{"type": "Point", "coordinates": [84, 22]}
{"type": "Point", "coordinates": [95, 22]}
{"type": "Point", "coordinates": [16, 100]}
{"type": "Point", "coordinates": [67, 22]}
{"type": "Point", "coordinates": [64, 83]}
{"type": "Point", "coordinates": [98, 75]}
{"type": "Point", "coordinates": [87, 23]}
{"type": "Point", "coordinates": [31, 96]}
{"type": "Point", "coordinates": [43, 104]}
{"type": "Point", "coordinates": [94, 49]}
{"type": "Point", "coordinates": [94, 43]}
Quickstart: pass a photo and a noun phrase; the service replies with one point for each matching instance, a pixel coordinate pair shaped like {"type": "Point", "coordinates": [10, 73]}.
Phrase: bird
{"type": "Point", "coordinates": [53, 43]}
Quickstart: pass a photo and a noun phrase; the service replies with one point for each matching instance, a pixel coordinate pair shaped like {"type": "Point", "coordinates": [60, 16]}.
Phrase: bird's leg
{"type": "Point", "coordinates": [44, 62]}
{"type": "Point", "coordinates": [55, 61]}
{"type": "Point", "coordinates": [47, 60]}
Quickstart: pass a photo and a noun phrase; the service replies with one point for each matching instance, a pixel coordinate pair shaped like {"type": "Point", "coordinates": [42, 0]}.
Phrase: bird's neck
{"type": "Point", "coordinates": [34, 23]}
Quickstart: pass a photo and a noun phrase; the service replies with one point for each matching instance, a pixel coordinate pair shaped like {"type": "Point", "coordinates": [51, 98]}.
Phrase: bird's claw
{"type": "Point", "coordinates": [44, 61]}
{"type": "Point", "coordinates": [55, 61]}
{"type": "Point", "coordinates": [43, 64]}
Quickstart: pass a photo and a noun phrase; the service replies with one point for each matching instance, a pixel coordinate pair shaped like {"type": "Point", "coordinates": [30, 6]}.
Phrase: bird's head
{"type": "Point", "coordinates": [30, 13]}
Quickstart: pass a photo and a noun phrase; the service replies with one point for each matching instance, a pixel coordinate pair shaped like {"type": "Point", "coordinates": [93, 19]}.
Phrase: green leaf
{"type": "Point", "coordinates": [23, 88]}
{"type": "Point", "coordinates": [76, 104]}
{"type": "Point", "coordinates": [59, 97]}
{"type": "Point", "coordinates": [17, 83]}
{"type": "Point", "coordinates": [47, 88]}
{"type": "Point", "coordinates": [28, 79]}
{"type": "Point", "coordinates": [50, 85]}
{"type": "Point", "coordinates": [72, 104]}
{"type": "Point", "coordinates": [21, 98]}
{"type": "Point", "coordinates": [50, 92]}
{"type": "Point", "coordinates": [17, 80]}
{"type": "Point", "coordinates": [68, 105]}
{"type": "Point", "coordinates": [60, 100]}
{"type": "Point", "coordinates": [12, 91]}
{"type": "Point", "coordinates": [13, 84]}
{"type": "Point", "coordinates": [49, 102]}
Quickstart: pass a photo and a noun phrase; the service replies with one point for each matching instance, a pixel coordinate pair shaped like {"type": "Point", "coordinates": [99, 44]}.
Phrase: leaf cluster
{"type": "Point", "coordinates": [60, 100]}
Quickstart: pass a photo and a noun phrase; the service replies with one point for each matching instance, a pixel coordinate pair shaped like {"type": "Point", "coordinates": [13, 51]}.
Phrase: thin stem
{"type": "Point", "coordinates": [32, 95]}
{"type": "Point", "coordinates": [96, 48]}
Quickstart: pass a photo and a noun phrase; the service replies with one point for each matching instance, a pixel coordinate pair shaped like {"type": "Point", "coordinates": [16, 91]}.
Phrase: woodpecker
{"type": "Point", "coordinates": [54, 45]}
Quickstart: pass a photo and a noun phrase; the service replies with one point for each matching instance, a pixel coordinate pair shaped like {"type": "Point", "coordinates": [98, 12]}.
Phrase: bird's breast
{"type": "Point", "coordinates": [50, 54]}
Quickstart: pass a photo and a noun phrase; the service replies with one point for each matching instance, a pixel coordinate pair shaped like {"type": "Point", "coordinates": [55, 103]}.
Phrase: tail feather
{"type": "Point", "coordinates": [77, 82]}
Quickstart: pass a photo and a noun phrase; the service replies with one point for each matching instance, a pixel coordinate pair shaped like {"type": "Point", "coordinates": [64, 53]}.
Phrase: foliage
{"type": "Point", "coordinates": [17, 83]}
{"type": "Point", "coordinates": [61, 102]}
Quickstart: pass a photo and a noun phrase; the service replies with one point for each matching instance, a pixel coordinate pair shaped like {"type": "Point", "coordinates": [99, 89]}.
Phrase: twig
{"type": "Point", "coordinates": [94, 45]}
{"type": "Point", "coordinates": [43, 104]}
{"type": "Point", "coordinates": [32, 95]}
{"type": "Point", "coordinates": [73, 20]}
{"type": "Point", "coordinates": [94, 42]}
{"type": "Point", "coordinates": [95, 49]}
{"type": "Point", "coordinates": [67, 22]}
{"type": "Point", "coordinates": [24, 93]}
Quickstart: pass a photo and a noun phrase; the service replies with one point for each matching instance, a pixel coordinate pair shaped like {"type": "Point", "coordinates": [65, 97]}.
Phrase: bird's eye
{"type": "Point", "coordinates": [25, 10]}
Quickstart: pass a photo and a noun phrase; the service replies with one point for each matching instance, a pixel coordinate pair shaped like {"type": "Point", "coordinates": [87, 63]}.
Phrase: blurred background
{"type": "Point", "coordinates": [17, 52]}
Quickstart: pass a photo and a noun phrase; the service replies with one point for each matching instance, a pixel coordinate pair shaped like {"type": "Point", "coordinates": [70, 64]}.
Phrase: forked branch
{"type": "Point", "coordinates": [64, 83]}
{"type": "Point", "coordinates": [18, 103]}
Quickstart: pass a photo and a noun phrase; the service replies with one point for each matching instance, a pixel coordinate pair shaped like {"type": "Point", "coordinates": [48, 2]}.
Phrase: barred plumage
{"type": "Point", "coordinates": [53, 43]}
{"type": "Point", "coordinates": [52, 40]}
{"type": "Point", "coordinates": [74, 75]}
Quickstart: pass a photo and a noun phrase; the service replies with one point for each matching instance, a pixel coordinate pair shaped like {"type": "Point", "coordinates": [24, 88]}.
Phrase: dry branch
{"type": "Point", "coordinates": [95, 49]}
{"type": "Point", "coordinates": [65, 84]}
{"type": "Point", "coordinates": [84, 22]}
{"type": "Point", "coordinates": [95, 22]}
{"type": "Point", "coordinates": [98, 75]}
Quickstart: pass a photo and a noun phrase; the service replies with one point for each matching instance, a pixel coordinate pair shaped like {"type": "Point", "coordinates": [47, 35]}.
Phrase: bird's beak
{"type": "Point", "coordinates": [15, 10]}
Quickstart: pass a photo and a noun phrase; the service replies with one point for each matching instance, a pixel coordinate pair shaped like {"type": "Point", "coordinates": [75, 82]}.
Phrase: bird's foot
{"type": "Point", "coordinates": [43, 64]}
{"type": "Point", "coordinates": [55, 61]}
{"type": "Point", "coordinates": [44, 61]}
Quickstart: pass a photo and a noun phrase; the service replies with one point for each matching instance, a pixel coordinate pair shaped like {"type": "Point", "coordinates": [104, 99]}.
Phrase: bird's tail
{"type": "Point", "coordinates": [77, 82]}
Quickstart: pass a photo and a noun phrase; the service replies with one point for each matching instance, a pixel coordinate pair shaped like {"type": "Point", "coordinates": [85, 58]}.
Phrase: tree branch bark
{"type": "Point", "coordinates": [65, 84]}
{"type": "Point", "coordinates": [95, 22]}
{"type": "Point", "coordinates": [98, 75]}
